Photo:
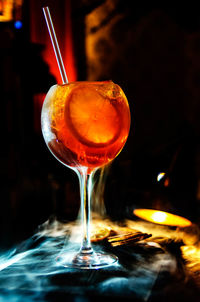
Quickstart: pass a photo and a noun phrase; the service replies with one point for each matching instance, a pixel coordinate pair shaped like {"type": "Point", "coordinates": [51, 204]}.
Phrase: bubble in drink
{"type": "Point", "coordinates": [85, 123]}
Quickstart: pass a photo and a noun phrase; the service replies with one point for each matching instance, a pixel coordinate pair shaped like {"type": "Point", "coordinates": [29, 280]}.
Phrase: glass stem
{"type": "Point", "coordinates": [85, 181]}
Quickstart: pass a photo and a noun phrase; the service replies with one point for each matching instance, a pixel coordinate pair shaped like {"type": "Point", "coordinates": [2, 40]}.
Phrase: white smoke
{"type": "Point", "coordinates": [31, 272]}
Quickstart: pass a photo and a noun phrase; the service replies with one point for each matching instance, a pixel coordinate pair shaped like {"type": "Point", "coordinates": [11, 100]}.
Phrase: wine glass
{"type": "Point", "coordinates": [85, 125]}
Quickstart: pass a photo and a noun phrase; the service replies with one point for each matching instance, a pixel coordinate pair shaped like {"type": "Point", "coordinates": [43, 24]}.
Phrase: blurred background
{"type": "Point", "coordinates": [153, 53]}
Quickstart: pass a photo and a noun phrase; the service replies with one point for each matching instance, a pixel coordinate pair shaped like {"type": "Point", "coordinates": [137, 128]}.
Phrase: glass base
{"type": "Point", "coordinates": [95, 260]}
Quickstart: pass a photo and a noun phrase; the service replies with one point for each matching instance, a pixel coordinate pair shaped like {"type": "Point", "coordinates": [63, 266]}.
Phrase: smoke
{"type": "Point", "coordinates": [99, 181]}
{"type": "Point", "coordinates": [31, 271]}
{"type": "Point", "coordinates": [26, 271]}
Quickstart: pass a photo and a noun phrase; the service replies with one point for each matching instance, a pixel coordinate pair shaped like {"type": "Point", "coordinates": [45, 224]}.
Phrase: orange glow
{"type": "Point", "coordinates": [88, 122]}
{"type": "Point", "coordinates": [6, 8]}
{"type": "Point", "coordinates": [10, 9]}
{"type": "Point", "coordinates": [166, 182]}
{"type": "Point", "coordinates": [92, 117]}
{"type": "Point", "coordinates": [161, 217]}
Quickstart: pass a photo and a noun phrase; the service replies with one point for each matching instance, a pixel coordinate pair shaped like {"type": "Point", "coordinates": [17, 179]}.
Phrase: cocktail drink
{"type": "Point", "coordinates": [85, 125]}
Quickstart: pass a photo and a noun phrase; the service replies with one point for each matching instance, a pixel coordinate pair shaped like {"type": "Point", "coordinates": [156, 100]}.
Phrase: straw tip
{"type": "Point", "coordinates": [45, 8]}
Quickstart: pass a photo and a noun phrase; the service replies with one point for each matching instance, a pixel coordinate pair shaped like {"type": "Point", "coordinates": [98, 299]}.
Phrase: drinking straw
{"type": "Point", "coordinates": [55, 44]}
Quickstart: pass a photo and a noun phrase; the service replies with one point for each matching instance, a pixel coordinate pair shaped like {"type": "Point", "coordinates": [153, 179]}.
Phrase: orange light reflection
{"type": "Point", "coordinates": [161, 217]}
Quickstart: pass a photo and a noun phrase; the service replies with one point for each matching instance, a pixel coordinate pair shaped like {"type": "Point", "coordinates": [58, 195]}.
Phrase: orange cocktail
{"type": "Point", "coordinates": [85, 124]}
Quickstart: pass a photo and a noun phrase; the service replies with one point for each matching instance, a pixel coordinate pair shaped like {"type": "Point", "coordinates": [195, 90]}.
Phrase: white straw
{"type": "Point", "coordinates": [55, 44]}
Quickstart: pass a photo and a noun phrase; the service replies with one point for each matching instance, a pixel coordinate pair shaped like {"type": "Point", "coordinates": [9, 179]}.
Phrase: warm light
{"type": "Point", "coordinates": [10, 9]}
{"type": "Point", "coordinates": [160, 176]}
{"type": "Point", "coordinates": [6, 9]}
{"type": "Point", "coordinates": [161, 217]}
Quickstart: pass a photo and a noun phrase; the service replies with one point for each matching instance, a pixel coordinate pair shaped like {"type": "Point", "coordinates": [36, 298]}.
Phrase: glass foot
{"type": "Point", "coordinates": [94, 260]}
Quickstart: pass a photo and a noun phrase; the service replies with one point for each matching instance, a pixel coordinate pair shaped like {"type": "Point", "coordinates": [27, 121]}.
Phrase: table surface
{"type": "Point", "coordinates": [146, 271]}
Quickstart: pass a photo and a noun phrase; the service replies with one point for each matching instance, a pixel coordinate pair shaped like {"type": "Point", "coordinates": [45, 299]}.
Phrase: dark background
{"type": "Point", "coordinates": [153, 53]}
